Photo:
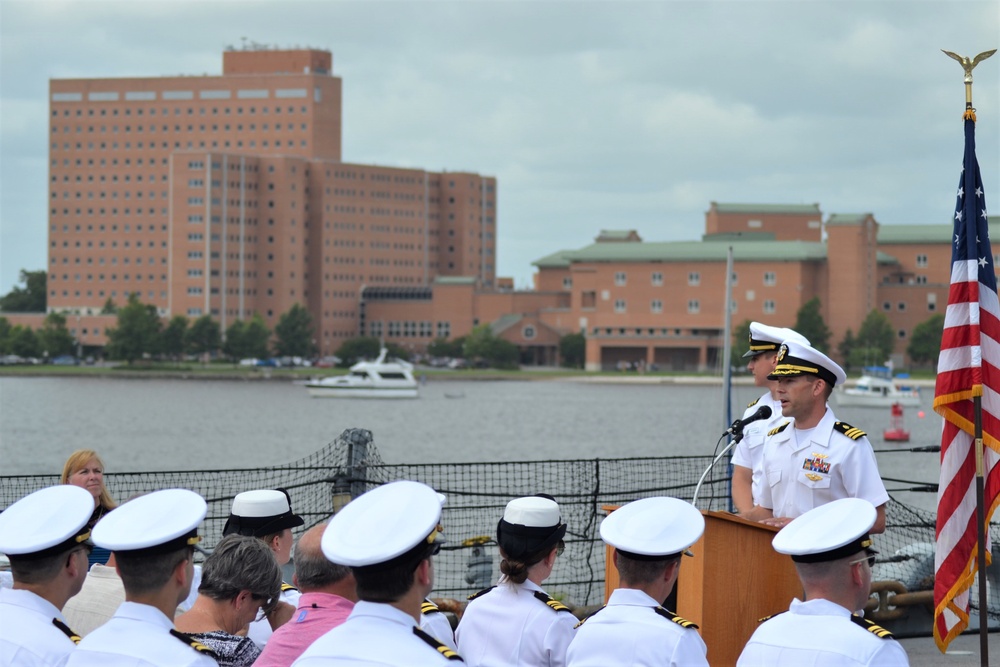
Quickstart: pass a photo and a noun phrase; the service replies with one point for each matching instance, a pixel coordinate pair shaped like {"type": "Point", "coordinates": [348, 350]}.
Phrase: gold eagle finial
{"type": "Point", "coordinates": [969, 64]}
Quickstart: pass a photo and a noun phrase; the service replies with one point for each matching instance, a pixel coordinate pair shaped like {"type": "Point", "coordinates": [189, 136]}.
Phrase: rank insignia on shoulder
{"type": "Point", "coordinates": [194, 643]}
{"type": "Point", "coordinates": [871, 627]}
{"type": "Point", "coordinates": [555, 604]}
{"type": "Point", "coordinates": [287, 587]}
{"type": "Point", "coordinates": [778, 429]}
{"type": "Point", "coordinates": [768, 618]}
{"type": "Point", "coordinates": [850, 431]}
{"type": "Point", "coordinates": [584, 619]}
{"type": "Point", "coordinates": [480, 593]}
{"type": "Point", "coordinates": [671, 616]}
{"type": "Point", "coordinates": [428, 607]}
{"type": "Point", "coordinates": [753, 403]}
{"type": "Point", "coordinates": [443, 649]}
{"type": "Point", "coordinates": [73, 637]}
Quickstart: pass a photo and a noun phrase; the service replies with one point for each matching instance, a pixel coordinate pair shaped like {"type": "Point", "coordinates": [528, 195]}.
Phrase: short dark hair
{"type": "Point", "coordinates": [144, 573]}
{"type": "Point", "coordinates": [636, 572]}
{"type": "Point", "coordinates": [380, 583]}
{"type": "Point", "coordinates": [314, 571]}
{"type": "Point", "coordinates": [39, 570]}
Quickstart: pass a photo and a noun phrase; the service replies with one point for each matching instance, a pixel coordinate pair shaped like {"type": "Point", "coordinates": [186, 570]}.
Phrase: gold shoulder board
{"type": "Point", "coordinates": [287, 587]}
{"type": "Point", "coordinates": [73, 637]}
{"type": "Point", "coordinates": [850, 431]}
{"type": "Point", "coordinates": [778, 429]}
{"type": "Point", "coordinates": [480, 593]}
{"type": "Point", "coordinates": [671, 616]}
{"type": "Point", "coordinates": [753, 403]}
{"type": "Point", "coordinates": [584, 619]}
{"type": "Point", "coordinates": [555, 604]}
{"type": "Point", "coordinates": [428, 607]}
{"type": "Point", "coordinates": [871, 627]}
{"type": "Point", "coordinates": [443, 649]}
{"type": "Point", "coordinates": [194, 643]}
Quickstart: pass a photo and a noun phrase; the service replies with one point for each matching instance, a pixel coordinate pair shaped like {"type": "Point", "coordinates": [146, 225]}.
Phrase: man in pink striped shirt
{"type": "Point", "coordinates": [328, 596]}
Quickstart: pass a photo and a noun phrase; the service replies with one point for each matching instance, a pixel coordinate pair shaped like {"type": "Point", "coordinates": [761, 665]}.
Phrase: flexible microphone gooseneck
{"type": "Point", "coordinates": [736, 430]}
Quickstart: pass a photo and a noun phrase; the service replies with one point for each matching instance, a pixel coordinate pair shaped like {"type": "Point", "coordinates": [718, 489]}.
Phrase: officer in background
{"type": "Point", "coordinates": [432, 618]}
{"type": "Point", "coordinates": [633, 629]}
{"type": "Point", "coordinates": [831, 548]}
{"type": "Point", "coordinates": [388, 537]}
{"type": "Point", "coordinates": [811, 458]}
{"type": "Point", "coordinates": [747, 473]}
{"type": "Point", "coordinates": [152, 538]}
{"type": "Point", "coordinates": [45, 537]}
{"type": "Point", "coordinates": [267, 515]}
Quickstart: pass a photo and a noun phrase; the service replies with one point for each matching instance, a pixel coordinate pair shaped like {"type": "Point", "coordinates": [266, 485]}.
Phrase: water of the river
{"type": "Point", "coordinates": [140, 425]}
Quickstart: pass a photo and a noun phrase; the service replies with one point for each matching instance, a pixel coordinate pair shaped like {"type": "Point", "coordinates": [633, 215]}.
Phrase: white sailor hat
{"type": "Point", "coordinates": [384, 527]}
{"type": "Point", "coordinates": [764, 338]}
{"type": "Point", "coordinates": [157, 522]}
{"type": "Point", "coordinates": [798, 359]}
{"type": "Point", "coordinates": [829, 532]}
{"type": "Point", "coordinates": [261, 512]}
{"type": "Point", "coordinates": [653, 528]}
{"type": "Point", "coordinates": [47, 522]}
{"type": "Point", "coordinates": [529, 526]}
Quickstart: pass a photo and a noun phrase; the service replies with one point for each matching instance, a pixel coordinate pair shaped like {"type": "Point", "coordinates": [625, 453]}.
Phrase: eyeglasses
{"type": "Point", "coordinates": [870, 559]}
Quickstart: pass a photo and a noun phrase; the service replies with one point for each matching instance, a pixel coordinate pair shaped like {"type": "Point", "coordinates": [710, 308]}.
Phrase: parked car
{"type": "Point", "coordinates": [268, 363]}
{"type": "Point", "coordinates": [65, 360]}
{"type": "Point", "coordinates": [249, 362]}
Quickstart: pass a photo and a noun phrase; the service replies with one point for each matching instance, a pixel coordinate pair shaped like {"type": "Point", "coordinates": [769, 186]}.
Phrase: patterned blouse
{"type": "Point", "coordinates": [232, 650]}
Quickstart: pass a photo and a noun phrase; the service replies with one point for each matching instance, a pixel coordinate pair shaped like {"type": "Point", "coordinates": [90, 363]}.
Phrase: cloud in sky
{"type": "Point", "coordinates": [591, 115]}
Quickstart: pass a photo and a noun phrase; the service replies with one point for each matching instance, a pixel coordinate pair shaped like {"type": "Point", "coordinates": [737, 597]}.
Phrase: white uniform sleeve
{"type": "Point", "coordinates": [557, 639]}
{"type": "Point", "coordinates": [689, 651]}
{"type": "Point", "coordinates": [891, 655]}
{"type": "Point", "coordinates": [860, 474]}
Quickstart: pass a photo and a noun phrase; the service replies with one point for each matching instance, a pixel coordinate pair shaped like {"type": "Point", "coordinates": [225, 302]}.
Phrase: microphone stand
{"type": "Point", "coordinates": [737, 432]}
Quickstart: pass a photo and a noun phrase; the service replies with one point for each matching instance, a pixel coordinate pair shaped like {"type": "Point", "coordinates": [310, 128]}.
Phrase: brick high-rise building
{"type": "Point", "coordinates": [227, 195]}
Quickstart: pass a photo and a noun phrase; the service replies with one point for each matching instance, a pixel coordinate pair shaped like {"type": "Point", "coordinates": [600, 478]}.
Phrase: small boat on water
{"type": "Point", "coordinates": [877, 392]}
{"type": "Point", "coordinates": [381, 378]}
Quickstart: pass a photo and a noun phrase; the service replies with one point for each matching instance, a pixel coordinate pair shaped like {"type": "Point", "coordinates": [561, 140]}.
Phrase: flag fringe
{"type": "Point", "coordinates": [970, 114]}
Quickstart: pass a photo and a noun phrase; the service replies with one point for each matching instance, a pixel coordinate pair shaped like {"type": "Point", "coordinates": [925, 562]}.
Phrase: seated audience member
{"type": "Point", "coordinates": [516, 622]}
{"type": "Point", "coordinates": [238, 580]}
{"type": "Point", "coordinates": [267, 515]}
{"type": "Point", "coordinates": [388, 537]}
{"type": "Point", "coordinates": [45, 537]}
{"type": "Point", "coordinates": [831, 548]}
{"type": "Point", "coordinates": [328, 593]}
{"type": "Point", "coordinates": [97, 601]}
{"type": "Point", "coordinates": [85, 469]}
{"type": "Point", "coordinates": [633, 629]}
{"type": "Point", "coordinates": [152, 538]}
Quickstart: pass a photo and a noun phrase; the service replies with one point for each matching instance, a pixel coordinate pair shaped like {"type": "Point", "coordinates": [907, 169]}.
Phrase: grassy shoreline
{"type": "Point", "coordinates": [227, 372]}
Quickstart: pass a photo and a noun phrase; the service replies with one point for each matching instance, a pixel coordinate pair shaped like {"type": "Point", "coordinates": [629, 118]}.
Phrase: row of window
{"type": "Point", "coordinates": [693, 279]}
{"type": "Point", "coordinates": [166, 112]}
{"type": "Point", "coordinates": [693, 306]}
{"type": "Point", "coordinates": [410, 329]}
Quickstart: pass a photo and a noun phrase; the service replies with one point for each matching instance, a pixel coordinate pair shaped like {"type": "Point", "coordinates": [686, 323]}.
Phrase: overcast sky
{"type": "Point", "coordinates": [591, 115]}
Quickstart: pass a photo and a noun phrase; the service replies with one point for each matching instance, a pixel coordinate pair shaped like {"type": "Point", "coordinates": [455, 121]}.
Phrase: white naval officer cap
{"type": "Point", "coordinates": [798, 359]}
{"type": "Point", "coordinates": [47, 522]}
{"type": "Point", "coordinates": [529, 526]}
{"type": "Point", "coordinates": [261, 512]}
{"type": "Point", "coordinates": [384, 527]}
{"type": "Point", "coordinates": [653, 528]}
{"type": "Point", "coordinates": [829, 532]}
{"type": "Point", "coordinates": [158, 522]}
{"type": "Point", "coordinates": [765, 338]}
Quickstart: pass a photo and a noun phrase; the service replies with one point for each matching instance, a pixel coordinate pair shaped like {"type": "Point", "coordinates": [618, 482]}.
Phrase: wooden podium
{"type": "Point", "coordinates": [734, 579]}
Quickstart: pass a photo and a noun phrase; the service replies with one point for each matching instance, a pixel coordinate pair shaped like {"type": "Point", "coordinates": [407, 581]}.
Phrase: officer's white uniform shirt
{"type": "Point", "coordinates": [825, 466]}
{"type": "Point", "coordinates": [749, 452]}
{"type": "Point", "coordinates": [509, 626]}
{"type": "Point", "coordinates": [819, 633]}
{"type": "Point", "coordinates": [260, 631]}
{"type": "Point", "coordinates": [138, 635]}
{"type": "Point", "coordinates": [436, 624]}
{"type": "Point", "coordinates": [629, 632]}
{"type": "Point", "coordinates": [27, 635]}
{"type": "Point", "coordinates": [373, 634]}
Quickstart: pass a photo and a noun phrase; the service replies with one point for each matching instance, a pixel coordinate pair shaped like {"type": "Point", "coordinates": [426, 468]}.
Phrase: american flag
{"type": "Point", "coordinates": [969, 366]}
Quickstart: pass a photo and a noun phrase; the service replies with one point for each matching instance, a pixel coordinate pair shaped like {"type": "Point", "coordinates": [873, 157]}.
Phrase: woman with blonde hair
{"type": "Point", "coordinates": [85, 469]}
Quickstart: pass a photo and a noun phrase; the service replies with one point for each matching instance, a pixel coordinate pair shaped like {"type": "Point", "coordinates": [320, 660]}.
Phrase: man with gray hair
{"type": "Point", "coordinates": [328, 596]}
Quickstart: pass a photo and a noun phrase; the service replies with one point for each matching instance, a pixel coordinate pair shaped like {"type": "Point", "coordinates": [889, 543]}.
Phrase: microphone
{"type": "Point", "coordinates": [763, 412]}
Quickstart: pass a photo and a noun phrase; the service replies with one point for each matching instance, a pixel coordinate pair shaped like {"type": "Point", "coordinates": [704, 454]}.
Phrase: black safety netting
{"type": "Point", "coordinates": [477, 493]}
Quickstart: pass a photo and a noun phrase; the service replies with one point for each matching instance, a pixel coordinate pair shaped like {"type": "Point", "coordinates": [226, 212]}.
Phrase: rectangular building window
{"type": "Point", "coordinates": [588, 299]}
{"type": "Point", "coordinates": [619, 305]}
{"type": "Point", "coordinates": [444, 329]}
{"type": "Point", "coordinates": [567, 283]}
{"type": "Point", "coordinates": [932, 301]}
{"type": "Point", "coordinates": [770, 279]}
{"type": "Point", "coordinates": [769, 306]}
{"type": "Point", "coordinates": [656, 306]}
{"type": "Point", "coordinates": [620, 278]}
{"type": "Point", "coordinates": [656, 278]}
{"type": "Point", "coordinates": [694, 278]}
{"type": "Point", "coordinates": [694, 306]}
{"type": "Point", "coordinates": [921, 261]}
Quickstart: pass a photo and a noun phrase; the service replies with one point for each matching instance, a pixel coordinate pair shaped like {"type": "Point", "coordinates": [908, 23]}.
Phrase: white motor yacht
{"type": "Point", "coordinates": [369, 379]}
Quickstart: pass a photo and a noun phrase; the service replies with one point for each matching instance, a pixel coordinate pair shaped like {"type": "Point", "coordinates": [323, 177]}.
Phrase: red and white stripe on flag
{"type": "Point", "coordinates": [968, 366]}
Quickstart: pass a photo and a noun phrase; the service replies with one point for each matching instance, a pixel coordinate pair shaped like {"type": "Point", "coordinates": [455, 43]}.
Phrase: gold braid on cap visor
{"type": "Point", "coordinates": [82, 537]}
{"type": "Point", "coordinates": [789, 369]}
{"type": "Point", "coordinates": [763, 347]}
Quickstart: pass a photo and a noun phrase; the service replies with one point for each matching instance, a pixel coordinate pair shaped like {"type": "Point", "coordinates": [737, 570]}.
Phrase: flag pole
{"type": "Point", "coordinates": [968, 64]}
